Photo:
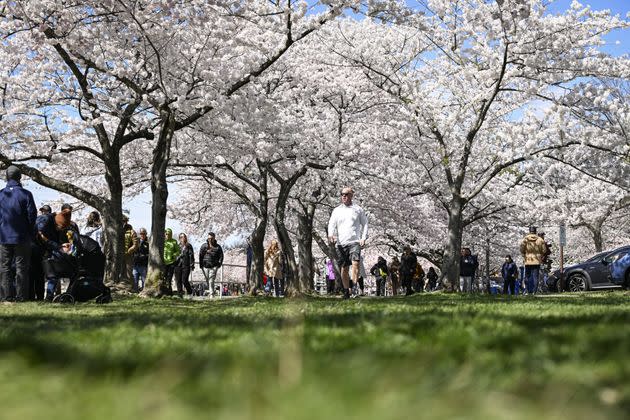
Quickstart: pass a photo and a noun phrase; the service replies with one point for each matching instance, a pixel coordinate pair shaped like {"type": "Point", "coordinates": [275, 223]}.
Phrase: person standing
{"type": "Point", "coordinates": [467, 266]}
{"type": "Point", "coordinates": [274, 265]}
{"type": "Point", "coordinates": [141, 261]}
{"type": "Point", "coordinates": [17, 232]}
{"type": "Point", "coordinates": [509, 271]}
{"type": "Point", "coordinates": [348, 229]}
{"type": "Point", "coordinates": [432, 278]}
{"type": "Point", "coordinates": [211, 259]}
{"type": "Point", "coordinates": [330, 277]}
{"type": "Point", "coordinates": [171, 252]}
{"type": "Point", "coordinates": [533, 250]}
{"type": "Point", "coordinates": [184, 266]}
{"type": "Point", "coordinates": [394, 267]}
{"type": "Point", "coordinates": [379, 271]}
{"type": "Point", "coordinates": [94, 228]}
{"type": "Point", "coordinates": [418, 278]}
{"type": "Point", "coordinates": [408, 264]}
{"type": "Point", "coordinates": [131, 245]}
{"type": "Point", "coordinates": [37, 276]}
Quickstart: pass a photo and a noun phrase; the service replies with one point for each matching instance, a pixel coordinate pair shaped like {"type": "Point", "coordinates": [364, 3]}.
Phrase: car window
{"type": "Point", "coordinates": [597, 256]}
{"type": "Point", "coordinates": [615, 256]}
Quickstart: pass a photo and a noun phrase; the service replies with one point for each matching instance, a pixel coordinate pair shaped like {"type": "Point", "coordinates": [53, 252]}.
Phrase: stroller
{"type": "Point", "coordinates": [86, 272]}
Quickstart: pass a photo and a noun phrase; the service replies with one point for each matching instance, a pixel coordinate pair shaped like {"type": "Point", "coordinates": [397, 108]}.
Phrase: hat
{"type": "Point", "coordinates": [65, 206]}
{"type": "Point", "coordinates": [169, 230]}
{"type": "Point", "coordinates": [45, 208]}
{"type": "Point", "coordinates": [14, 173]}
{"type": "Point", "coordinates": [62, 219]}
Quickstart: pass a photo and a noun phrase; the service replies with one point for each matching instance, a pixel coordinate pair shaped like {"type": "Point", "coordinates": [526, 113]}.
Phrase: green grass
{"type": "Point", "coordinates": [428, 356]}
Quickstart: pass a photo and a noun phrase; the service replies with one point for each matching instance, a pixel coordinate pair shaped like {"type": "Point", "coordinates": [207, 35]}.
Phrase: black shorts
{"type": "Point", "coordinates": [348, 253]}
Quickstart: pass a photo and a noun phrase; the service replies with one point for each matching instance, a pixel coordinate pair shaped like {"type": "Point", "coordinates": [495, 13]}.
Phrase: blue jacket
{"type": "Point", "coordinates": [17, 214]}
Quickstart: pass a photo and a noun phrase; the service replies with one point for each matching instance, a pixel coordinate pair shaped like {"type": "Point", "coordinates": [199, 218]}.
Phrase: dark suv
{"type": "Point", "coordinates": [606, 270]}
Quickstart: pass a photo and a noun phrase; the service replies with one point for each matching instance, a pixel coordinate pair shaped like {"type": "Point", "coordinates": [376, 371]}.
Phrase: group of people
{"type": "Point", "coordinates": [36, 249]}
{"type": "Point", "coordinates": [31, 247]}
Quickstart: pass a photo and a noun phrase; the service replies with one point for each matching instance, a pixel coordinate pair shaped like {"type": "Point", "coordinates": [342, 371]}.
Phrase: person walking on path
{"type": "Point", "coordinates": [533, 250]}
{"type": "Point", "coordinates": [274, 268]}
{"type": "Point", "coordinates": [184, 266]}
{"type": "Point", "coordinates": [17, 232]}
{"type": "Point", "coordinates": [379, 271]}
{"type": "Point", "coordinates": [509, 271]}
{"type": "Point", "coordinates": [171, 252]}
{"type": "Point", "coordinates": [348, 230]}
{"type": "Point", "coordinates": [211, 259]}
{"type": "Point", "coordinates": [330, 277]}
{"type": "Point", "coordinates": [408, 264]}
{"type": "Point", "coordinates": [394, 274]}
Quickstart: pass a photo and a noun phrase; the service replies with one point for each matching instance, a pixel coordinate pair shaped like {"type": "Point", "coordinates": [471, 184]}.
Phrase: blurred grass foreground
{"type": "Point", "coordinates": [428, 356]}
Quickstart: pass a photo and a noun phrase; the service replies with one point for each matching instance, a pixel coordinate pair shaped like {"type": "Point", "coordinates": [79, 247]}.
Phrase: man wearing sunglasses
{"type": "Point", "coordinates": [347, 228]}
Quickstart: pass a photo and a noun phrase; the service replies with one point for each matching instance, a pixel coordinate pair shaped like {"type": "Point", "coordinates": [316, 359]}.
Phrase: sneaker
{"type": "Point", "coordinates": [346, 294]}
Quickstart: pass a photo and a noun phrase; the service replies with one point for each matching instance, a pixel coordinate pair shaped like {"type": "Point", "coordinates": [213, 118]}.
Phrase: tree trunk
{"type": "Point", "coordinates": [305, 249]}
{"type": "Point", "coordinates": [156, 280]}
{"type": "Point", "coordinates": [292, 285]}
{"type": "Point", "coordinates": [450, 265]}
{"type": "Point", "coordinates": [258, 255]}
{"type": "Point", "coordinates": [113, 244]}
{"type": "Point", "coordinates": [598, 239]}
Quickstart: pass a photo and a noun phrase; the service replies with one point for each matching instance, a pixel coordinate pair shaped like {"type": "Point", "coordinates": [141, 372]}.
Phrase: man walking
{"type": "Point", "coordinates": [532, 249]}
{"type": "Point", "coordinates": [348, 228]}
{"type": "Point", "coordinates": [210, 259]}
{"type": "Point", "coordinates": [17, 231]}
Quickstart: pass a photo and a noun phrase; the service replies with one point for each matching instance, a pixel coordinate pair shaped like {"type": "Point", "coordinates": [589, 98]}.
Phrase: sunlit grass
{"type": "Point", "coordinates": [436, 355]}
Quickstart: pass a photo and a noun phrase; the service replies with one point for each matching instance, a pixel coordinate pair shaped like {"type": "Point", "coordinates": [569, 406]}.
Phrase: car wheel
{"type": "Point", "coordinates": [577, 283]}
{"type": "Point", "coordinates": [626, 281]}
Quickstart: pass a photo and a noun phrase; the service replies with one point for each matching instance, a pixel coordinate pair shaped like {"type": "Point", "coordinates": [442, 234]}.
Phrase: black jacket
{"type": "Point", "coordinates": [186, 257]}
{"type": "Point", "coordinates": [468, 265]}
{"type": "Point", "coordinates": [378, 267]}
{"type": "Point", "coordinates": [141, 257]}
{"type": "Point", "coordinates": [408, 264]}
{"type": "Point", "coordinates": [210, 256]}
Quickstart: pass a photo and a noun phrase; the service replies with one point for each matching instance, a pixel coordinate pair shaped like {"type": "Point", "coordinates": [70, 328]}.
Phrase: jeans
{"type": "Point", "coordinates": [380, 286]}
{"type": "Point", "coordinates": [170, 270]}
{"type": "Point", "coordinates": [22, 255]}
{"type": "Point", "coordinates": [211, 276]}
{"type": "Point", "coordinates": [465, 284]}
{"type": "Point", "coordinates": [182, 274]}
{"type": "Point", "coordinates": [531, 277]}
{"type": "Point", "coordinates": [509, 286]}
{"type": "Point", "coordinates": [139, 273]}
{"type": "Point", "coordinates": [278, 285]}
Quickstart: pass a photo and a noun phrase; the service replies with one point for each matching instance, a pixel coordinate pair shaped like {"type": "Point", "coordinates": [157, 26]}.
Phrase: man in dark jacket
{"type": "Point", "coordinates": [210, 259]}
{"type": "Point", "coordinates": [467, 267]}
{"type": "Point", "coordinates": [408, 263]}
{"type": "Point", "coordinates": [17, 231]}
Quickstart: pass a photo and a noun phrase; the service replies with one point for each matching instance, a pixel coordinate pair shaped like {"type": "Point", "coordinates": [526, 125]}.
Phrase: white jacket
{"type": "Point", "coordinates": [349, 224]}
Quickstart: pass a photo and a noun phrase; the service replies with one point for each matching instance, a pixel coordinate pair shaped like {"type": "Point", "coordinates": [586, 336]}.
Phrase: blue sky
{"type": "Point", "coordinates": [618, 43]}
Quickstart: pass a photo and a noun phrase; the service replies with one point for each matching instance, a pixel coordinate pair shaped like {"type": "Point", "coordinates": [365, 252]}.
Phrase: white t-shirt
{"type": "Point", "coordinates": [349, 224]}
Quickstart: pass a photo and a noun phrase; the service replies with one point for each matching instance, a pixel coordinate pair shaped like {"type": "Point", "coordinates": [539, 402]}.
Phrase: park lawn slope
{"type": "Point", "coordinates": [431, 355]}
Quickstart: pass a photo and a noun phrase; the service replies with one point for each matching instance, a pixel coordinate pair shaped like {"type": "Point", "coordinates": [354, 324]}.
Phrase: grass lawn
{"type": "Point", "coordinates": [434, 355]}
